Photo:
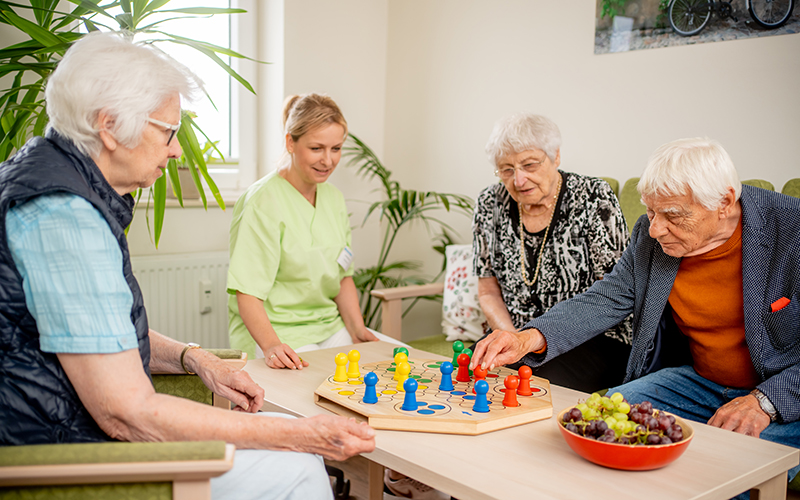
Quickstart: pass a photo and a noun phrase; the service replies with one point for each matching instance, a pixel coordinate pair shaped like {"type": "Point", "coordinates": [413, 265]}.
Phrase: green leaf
{"type": "Point", "coordinates": [175, 181]}
{"type": "Point", "coordinates": [159, 205]}
{"type": "Point", "coordinates": [41, 35]}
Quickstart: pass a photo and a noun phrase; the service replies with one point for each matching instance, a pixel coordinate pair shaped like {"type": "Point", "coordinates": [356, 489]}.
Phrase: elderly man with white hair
{"type": "Point", "coordinates": [712, 277]}
{"type": "Point", "coordinates": [76, 349]}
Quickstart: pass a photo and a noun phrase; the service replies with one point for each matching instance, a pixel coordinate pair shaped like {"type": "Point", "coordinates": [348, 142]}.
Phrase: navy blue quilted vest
{"type": "Point", "coordinates": [37, 401]}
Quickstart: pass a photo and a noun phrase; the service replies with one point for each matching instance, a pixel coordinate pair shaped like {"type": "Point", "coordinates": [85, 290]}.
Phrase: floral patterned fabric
{"type": "Point", "coordinates": [587, 236]}
{"type": "Point", "coordinates": [462, 318]}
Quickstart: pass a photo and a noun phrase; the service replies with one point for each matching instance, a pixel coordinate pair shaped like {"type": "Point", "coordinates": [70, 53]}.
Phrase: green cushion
{"type": "Point", "coordinates": [630, 202]}
{"type": "Point", "coordinates": [795, 484]}
{"type": "Point", "coordinates": [792, 188]}
{"type": "Point", "coordinates": [128, 491]}
{"type": "Point", "coordinates": [226, 353]}
{"type": "Point", "coordinates": [184, 386]}
{"type": "Point", "coordinates": [613, 183]}
{"type": "Point", "coordinates": [111, 452]}
{"type": "Point", "coordinates": [760, 183]}
{"type": "Point", "coordinates": [435, 344]}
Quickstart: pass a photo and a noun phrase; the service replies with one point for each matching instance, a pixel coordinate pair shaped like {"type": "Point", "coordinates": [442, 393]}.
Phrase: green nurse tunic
{"type": "Point", "coordinates": [284, 251]}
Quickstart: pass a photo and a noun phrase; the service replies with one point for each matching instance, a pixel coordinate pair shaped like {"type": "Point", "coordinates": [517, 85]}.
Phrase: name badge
{"type": "Point", "coordinates": [345, 258]}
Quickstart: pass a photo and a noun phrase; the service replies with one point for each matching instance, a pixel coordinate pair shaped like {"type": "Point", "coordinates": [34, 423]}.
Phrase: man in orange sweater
{"type": "Point", "coordinates": [712, 277]}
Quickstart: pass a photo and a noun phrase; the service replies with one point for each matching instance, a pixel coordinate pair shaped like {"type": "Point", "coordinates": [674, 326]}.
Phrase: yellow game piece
{"type": "Point", "coordinates": [400, 357]}
{"type": "Point", "coordinates": [403, 369]}
{"type": "Point", "coordinates": [340, 375]}
{"type": "Point", "coordinates": [352, 370]}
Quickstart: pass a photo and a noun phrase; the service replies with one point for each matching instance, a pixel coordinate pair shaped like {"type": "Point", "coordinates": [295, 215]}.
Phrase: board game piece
{"type": "Point", "coordinates": [510, 400]}
{"type": "Point", "coordinates": [398, 358]}
{"type": "Point", "coordinates": [410, 400]}
{"type": "Point", "coordinates": [458, 346]}
{"type": "Point", "coordinates": [446, 383]}
{"type": "Point", "coordinates": [340, 375]}
{"type": "Point", "coordinates": [468, 352]}
{"type": "Point", "coordinates": [525, 373]}
{"type": "Point", "coordinates": [402, 371]}
{"type": "Point", "coordinates": [481, 403]}
{"type": "Point", "coordinates": [403, 350]}
{"type": "Point", "coordinates": [448, 412]}
{"type": "Point", "coordinates": [480, 374]}
{"type": "Point", "coordinates": [463, 368]}
{"type": "Point", "coordinates": [370, 394]}
{"type": "Point", "coordinates": [352, 370]}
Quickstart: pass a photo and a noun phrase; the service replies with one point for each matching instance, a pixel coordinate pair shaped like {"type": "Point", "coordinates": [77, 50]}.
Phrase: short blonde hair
{"type": "Point", "coordinates": [523, 132]}
{"type": "Point", "coordinates": [699, 165]}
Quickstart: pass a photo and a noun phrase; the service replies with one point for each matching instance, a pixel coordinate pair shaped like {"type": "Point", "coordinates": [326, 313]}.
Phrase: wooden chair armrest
{"type": "Point", "coordinates": [190, 478]}
{"type": "Point", "coordinates": [405, 292]}
{"type": "Point", "coordinates": [392, 302]}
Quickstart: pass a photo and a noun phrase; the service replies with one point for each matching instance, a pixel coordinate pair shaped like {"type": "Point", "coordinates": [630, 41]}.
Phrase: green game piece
{"type": "Point", "coordinates": [468, 352]}
{"type": "Point", "coordinates": [458, 346]}
{"type": "Point", "coordinates": [403, 350]}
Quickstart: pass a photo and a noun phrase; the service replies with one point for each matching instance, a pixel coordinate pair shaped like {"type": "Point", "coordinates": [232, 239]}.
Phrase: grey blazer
{"type": "Point", "coordinates": [641, 283]}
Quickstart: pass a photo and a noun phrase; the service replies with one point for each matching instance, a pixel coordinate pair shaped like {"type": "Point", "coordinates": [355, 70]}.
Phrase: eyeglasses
{"type": "Point", "coordinates": [528, 167]}
{"type": "Point", "coordinates": [172, 128]}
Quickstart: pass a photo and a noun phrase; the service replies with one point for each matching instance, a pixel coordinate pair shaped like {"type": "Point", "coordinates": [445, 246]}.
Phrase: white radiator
{"type": "Point", "coordinates": [185, 296]}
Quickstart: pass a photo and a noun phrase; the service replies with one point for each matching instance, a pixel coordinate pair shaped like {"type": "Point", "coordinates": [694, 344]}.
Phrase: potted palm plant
{"type": "Point", "coordinates": [52, 31]}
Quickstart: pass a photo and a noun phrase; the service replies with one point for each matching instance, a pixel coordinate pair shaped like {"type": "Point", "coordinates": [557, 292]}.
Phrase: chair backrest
{"type": "Point", "coordinates": [792, 188]}
{"type": "Point", "coordinates": [630, 202]}
{"type": "Point", "coordinates": [759, 183]}
{"type": "Point", "coordinates": [613, 183]}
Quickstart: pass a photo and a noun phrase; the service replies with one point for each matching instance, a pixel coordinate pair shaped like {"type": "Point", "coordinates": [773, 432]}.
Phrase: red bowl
{"type": "Point", "coordinates": [626, 457]}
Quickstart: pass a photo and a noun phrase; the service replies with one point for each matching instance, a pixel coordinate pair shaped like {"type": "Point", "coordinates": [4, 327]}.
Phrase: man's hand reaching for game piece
{"type": "Point", "coordinates": [503, 348]}
{"type": "Point", "coordinates": [283, 356]}
{"type": "Point", "coordinates": [743, 415]}
{"type": "Point", "coordinates": [333, 437]}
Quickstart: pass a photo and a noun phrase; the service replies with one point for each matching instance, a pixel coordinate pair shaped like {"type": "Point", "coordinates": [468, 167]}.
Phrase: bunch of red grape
{"type": "Point", "coordinates": [613, 420]}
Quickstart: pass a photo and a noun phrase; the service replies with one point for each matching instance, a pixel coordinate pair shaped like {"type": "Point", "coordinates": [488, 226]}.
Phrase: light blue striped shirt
{"type": "Point", "coordinates": [71, 266]}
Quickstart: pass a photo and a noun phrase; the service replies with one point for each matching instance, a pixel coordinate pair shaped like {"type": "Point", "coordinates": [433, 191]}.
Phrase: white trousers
{"type": "Point", "coordinates": [339, 339]}
{"type": "Point", "coordinates": [273, 475]}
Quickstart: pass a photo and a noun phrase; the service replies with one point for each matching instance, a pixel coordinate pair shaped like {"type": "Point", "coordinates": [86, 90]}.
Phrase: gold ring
{"type": "Point", "coordinates": [272, 356]}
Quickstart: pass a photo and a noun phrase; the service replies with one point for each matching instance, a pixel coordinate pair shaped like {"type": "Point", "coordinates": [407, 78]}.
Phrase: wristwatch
{"type": "Point", "coordinates": [766, 404]}
{"type": "Point", "coordinates": [190, 345]}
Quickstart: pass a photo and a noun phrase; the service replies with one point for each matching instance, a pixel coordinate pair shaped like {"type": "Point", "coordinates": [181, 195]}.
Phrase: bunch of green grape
{"type": "Point", "coordinates": [613, 420]}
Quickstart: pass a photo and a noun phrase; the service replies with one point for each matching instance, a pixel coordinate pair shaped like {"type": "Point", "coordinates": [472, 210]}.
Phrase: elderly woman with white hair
{"type": "Point", "coordinates": [542, 236]}
{"type": "Point", "coordinates": [712, 277]}
{"type": "Point", "coordinates": [77, 350]}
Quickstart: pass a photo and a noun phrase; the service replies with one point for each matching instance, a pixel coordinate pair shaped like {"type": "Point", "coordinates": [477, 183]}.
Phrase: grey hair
{"type": "Point", "coordinates": [699, 166]}
{"type": "Point", "coordinates": [109, 72]}
{"type": "Point", "coordinates": [523, 132]}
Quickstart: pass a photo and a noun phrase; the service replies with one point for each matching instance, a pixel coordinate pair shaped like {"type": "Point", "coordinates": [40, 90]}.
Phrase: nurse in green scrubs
{"type": "Point", "coordinates": [290, 279]}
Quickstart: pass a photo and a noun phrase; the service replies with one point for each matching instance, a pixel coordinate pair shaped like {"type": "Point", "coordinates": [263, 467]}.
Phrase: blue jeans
{"type": "Point", "coordinates": [685, 393]}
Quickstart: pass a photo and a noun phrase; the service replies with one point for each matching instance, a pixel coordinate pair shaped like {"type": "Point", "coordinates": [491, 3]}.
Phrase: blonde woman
{"type": "Point", "coordinates": [290, 277]}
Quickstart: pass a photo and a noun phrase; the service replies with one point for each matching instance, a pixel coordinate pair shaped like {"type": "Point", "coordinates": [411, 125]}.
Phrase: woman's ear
{"type": "Point", "coordinates": [105, 124]}
{"type": "Point", "coordinates": [557, 160]}
{"type": "Point", "coordinates": [289, 143]}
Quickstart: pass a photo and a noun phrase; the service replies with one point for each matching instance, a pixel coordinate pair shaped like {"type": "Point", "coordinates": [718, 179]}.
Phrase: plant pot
{"type": "Point", "coordinates": [188, 189]}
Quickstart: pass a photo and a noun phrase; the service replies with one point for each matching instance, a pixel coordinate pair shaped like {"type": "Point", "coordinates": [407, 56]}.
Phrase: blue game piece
{"type": "Point", "coordinates": [410, 401]}
{"type": "Point", "coordinates": [447, 380]}
{"type": "Point", "coordinates": [370, 394]}
{"type": "Point", "coordinates": [481, 403]}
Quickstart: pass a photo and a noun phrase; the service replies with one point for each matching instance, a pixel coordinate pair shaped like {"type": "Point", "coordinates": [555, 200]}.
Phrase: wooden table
{"type": "Point", "coordinates": [533, 460]}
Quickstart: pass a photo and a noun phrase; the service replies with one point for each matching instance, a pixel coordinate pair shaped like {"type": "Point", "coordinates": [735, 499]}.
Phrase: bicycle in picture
{"type": "Point", "coordinates": [689, 17]}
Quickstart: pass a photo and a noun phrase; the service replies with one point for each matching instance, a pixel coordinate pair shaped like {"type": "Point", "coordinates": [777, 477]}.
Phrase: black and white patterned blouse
{"type": "Point", "coordinates": [586, 238]}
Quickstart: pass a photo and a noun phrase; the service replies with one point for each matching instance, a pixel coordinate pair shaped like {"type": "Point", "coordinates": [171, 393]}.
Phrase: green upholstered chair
{"type": "Point", "coordinates": [792, 188]}
{"type": "Point", "coordinates": [759, 183]}
{"type": "Point", "coordinates": [116, 470]}
{"type": "Point", "coordinates": [613, 183]}
{"type": "Point", "coordinates": [631, 203]}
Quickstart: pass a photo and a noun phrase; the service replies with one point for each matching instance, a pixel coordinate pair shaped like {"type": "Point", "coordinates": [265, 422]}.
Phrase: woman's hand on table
{"type": "Point", "coordinates": [334, 437]}
{"type": "Point", "coordinates": [502, 348]}
{"type": "Point", "coordinates": [363, 335]}
{"type": "Point", "coordinates": [283, 356]}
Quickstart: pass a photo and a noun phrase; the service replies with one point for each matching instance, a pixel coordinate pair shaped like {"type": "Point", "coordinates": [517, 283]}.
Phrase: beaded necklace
{"type": "Point", "coordinates": [544, 240]}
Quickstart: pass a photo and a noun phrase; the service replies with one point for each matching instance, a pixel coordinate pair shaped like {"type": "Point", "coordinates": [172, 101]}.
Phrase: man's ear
{"type": "Point", "coordinates": [105, 123]}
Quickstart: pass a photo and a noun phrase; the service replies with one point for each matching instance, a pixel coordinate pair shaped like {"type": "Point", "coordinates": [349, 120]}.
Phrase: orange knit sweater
{"type": "Point", "coordinates": [708, 307]}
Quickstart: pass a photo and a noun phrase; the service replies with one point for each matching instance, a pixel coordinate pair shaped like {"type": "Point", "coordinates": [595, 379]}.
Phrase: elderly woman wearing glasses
{"type": "Point", "coordinates": [542, 236]}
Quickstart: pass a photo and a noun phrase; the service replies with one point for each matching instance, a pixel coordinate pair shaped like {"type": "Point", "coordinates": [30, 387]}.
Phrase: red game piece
{"type": "Point", "coordinates": [480, 374]}
{"type": "Point", "coordinates": [525, 373]}
{"type": "Point", "coordinates": [463, 368]}
{"type": "Point", "coordinates": [510, 400]}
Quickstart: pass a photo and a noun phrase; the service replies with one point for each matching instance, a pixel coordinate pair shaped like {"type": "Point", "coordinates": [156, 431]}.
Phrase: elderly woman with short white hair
{"type": "Point", "coordinates": [541, 236]}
